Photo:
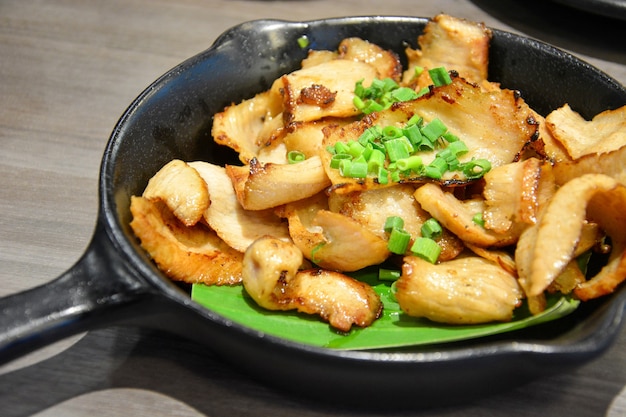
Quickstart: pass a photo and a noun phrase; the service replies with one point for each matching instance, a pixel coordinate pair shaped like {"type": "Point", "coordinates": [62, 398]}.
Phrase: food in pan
{"type": "Point", "coordinates": [451, 185]}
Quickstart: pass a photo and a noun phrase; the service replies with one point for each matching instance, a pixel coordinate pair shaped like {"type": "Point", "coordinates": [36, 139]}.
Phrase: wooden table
{"type": "Point", "coordinates": [68, 69]}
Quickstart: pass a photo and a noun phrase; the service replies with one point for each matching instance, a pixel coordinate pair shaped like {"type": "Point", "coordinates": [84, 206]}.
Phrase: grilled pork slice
{"type": "Point", "coordinates": [184, 253]}
{"type": "Point", "coordinates": [236, 226]}
{"type": "Point", "coordinates": [261, 186]}
{"type": "Point", "coordinates": [271, 277]}
{"type": "Point", "coordinates": [495, 125]}
{"type": "Point", "coordinates": [545, 249]}
{"type": "Point", "coordinates": [466, 290]}
{"type": "Point", "coordinates": [606, 132]}
{"type": "Point", "coordinates": [182, 189]}
{"type": "Point", "coordinates": [514, 194]}
{"type": "Point", "coordinates": [372, 207]}
{"type": "Point", "coordinates": [252, 128]}
{"type": "Point", "coordinates": [453, 43]}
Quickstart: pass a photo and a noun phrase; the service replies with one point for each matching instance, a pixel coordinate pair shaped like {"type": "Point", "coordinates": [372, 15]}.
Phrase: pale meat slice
{"type": "Point", "coordinates": [458, 217]}
{"type": "Point", "coordinates": [611, 163]}
{"type": "Point", "coordinates": [545, 249]}
{"type": "Point", "coordinates": [332, 240]}
{"type": "Point", "coordinates": [316, 57]}
{"type": "Point", "coordinates": [182, 189]}
{"type": "Point", "coordinates": [192, 254]}
{"type": "Point", "coordinates": [500, 126]}
{"type": "Point", "coordinates": [454, 43]}
{"type": "Point", "coordinates": [308, 137]}
{"type": "Point", "coordinates": [261, 186]}
{"type": "Point", "coordinates": [250, 127]}
{"type": "Point", "coordinates": [306, 235]}
{"type": "Point", "coordinates": [386, 62]}
{"type": "Point", "coordinates": [606, 132]}
{"type": "Point", "coordinates": [347, 245]}
{"type": "Point", "coordinates": [515, 192]}
{"type": "Point", "coordinates": [271, 278]}
{"type": "Point", "coordinates": [372, 207]}
{"type": "Point", "coordinates": [466, 290]}
{"type": "Point", "coordinates": [552, 149]}
{"type": "Point", "coordinates": [324, 90]}
{"type": "Point", "coordinates": [236, 226]}
{"type": "Point", "coordinates": [502, 258]}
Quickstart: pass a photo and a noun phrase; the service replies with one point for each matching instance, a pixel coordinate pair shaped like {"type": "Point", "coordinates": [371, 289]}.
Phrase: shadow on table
{"type": "Point", "coordinates": [188, 372]}
{"type": "Point", "coordinates": [141, 359]}
{"type": "Point", "coordinates": [567, 28]}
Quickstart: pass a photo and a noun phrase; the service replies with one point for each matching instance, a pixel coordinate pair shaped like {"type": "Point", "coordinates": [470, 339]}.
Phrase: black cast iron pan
{"type": "Point", "coordinates": [115, 283]}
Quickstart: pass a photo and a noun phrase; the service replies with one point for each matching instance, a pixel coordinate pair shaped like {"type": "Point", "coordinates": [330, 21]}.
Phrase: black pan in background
{"type": "Point", "coordinates": [116, 283]}
{"type": "Point", "coordinates": [615, 9]}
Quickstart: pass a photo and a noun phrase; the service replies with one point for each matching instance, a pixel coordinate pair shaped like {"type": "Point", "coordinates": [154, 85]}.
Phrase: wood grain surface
{"type": "Point", "coordinates": [68, 70]}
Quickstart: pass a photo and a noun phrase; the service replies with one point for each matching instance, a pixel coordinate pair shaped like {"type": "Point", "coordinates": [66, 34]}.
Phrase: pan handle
{"type": "Point", "coordinates": [94, 292]}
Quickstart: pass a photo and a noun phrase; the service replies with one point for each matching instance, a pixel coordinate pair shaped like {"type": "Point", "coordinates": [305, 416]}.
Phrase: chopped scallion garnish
{"type": "Point", "coordinates": [426, 248]}
{"type": "Point", "coordinates": [385, 274]}
{"type": "Point", "coordinates": [393, 222]}
{"type": "Point", "coordinates": [398, 241]}
{"type": "Point", "coordinates": [478, 219]}
{"type": "Point", "coordinates": [439, 76]}
{"type": "Point", "coordinates": [434, 129]}
{"type": "Point", "coordinates": [303, 41]}
{"type": "Point", "coordinates": [396, 149]}
{"type": "Point", "coordinates": [293, 157]}
{"type": "Point", "coordinates": [413, 163]}
{"type": "Point", "coordinates": [431, 229]}
{"type": "Point", "coordinates": [476, 168]}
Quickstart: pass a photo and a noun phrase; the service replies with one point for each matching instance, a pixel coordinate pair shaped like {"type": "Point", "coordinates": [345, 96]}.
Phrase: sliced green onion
{"type": "Point", "coordinates": [393, 222]}
{"type": "Point", "coordinates": [341, 147]}
{"type": "Point", "coordinates": [375, 161]}
{"type": "Point", "coordinates": [355, 149]}
{"type": "Point", "coordinates": [426, 249]}
{"type": "Point", "coordinates": [335, 160]}
{"type": "Point", "coordinates": [383, 176]}
{"type": "Point", "coordinates": [303, 41]}
{"type": "Point", "coordinates": [439, 76]}
{"type": "Point", "coordinates": [293, 157]}
{"type": "Point", "coordinates": [431, 229]}
{"type": "Point", "coordinates": [476, 168]}
{"type": "Point", "coordinates": [396, 149]}
{"type": "Point", "coordinates": [392, 132]}
{"type": "Point", "coordinates": [450, 138]}
{"type": "Point", "coordinates": [436, 168]}
{"type": "Point", "coordinates": [412, 163]}
{"type": "Point", "coordinates": [358, 102]}
{"type": "Point", "coordinates": [385, 274]}
{"type": "Point", "coordinates": [314, 251]}
{"type": "Point", "coordinates": [344, 167]}
{"type": "Point", "coordinates": [412, 132]}
{"type": "Point", "coordinates": [398, 241]}
{"type": "Point", "coordinates": [423, 91]}
{"type": "Point", "coordinates": [458, 148]}
{"type": "Point", "coordinates": [359, 90]}
{"type": "Point", "coordinates": [478, 219]}
{"type": "Point", "coordinates": [434, 129]}
{"type": "Point", "coordinates": [370, 135]}
{"type": "Point", "coordinates": [372, 107]}
{"type": "Point", "coordinates": [358, 169]}
{"type": "Point", "coordinates": [415, 120]}
{"type": "Point", "coordinates": [403, 94]}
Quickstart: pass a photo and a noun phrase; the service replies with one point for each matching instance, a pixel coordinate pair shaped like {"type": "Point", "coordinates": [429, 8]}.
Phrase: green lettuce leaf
{"type": "Point", "coordinates": [394, 329]}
